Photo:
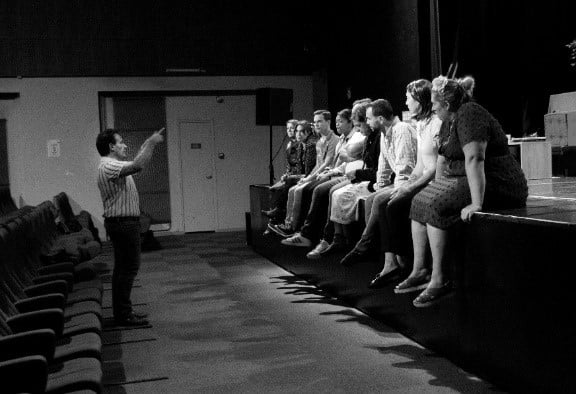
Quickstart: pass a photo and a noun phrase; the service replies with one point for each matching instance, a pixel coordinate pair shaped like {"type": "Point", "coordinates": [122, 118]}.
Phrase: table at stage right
{"type": "Point", "coordinates": [534, 155]}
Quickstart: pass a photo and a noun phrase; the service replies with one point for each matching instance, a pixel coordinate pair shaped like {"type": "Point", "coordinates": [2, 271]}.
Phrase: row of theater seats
{"type": "Point", "coordinates": [50, 304]}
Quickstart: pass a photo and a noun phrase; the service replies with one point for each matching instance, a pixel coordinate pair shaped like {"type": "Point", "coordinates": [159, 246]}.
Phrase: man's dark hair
{"type": "Point", "coordinates": [383, 108]}
{"type": "Point", "coordinates": [104, 140]}
{"type": "Point", "coordinates": [325, 114]}
{"type": "Point", "coordinates": [346, 114]}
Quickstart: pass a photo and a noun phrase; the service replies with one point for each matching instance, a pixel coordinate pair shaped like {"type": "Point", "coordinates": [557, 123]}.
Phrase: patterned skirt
{"type": "Point", "coordinates": [344, 208]}
{"type": "Point", "coordinates": [440, 203]}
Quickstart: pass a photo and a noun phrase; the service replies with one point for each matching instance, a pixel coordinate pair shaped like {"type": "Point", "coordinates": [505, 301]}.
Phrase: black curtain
{"type": "Point", "coordinates": [517, 53]}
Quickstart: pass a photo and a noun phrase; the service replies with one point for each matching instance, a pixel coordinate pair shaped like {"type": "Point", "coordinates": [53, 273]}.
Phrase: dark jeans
{"type": "Point", "coordinates": [318, 212]}
{"type": "Point", "coordinates": [395, 226]}
{"type": "Point", "coordinates": [372, 206]}
{"type": "Point", "coordinates": [125, 237]}
{"type": "Point", "coordinates": [306, 201]}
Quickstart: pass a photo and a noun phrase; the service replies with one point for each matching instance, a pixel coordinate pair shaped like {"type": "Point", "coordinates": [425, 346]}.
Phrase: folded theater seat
{"type": "Point", "coordinates": [82, 307]}
{"type": "Point", "coordinates": [78, 376]}
{"type": "Point", "coordinates": [50, 294]}
{"type": "Point", "coordinates": [77, 326]}
{"type": "Point", "coordinates": [15, 214]}
{"type": "Point", "coordinates": [26, 290]}
{"type": "Point", "coordinates": [24, 255]}
{"type": "Point", "coordinates": [34, 230]}
{"type": "Point", "coordinates": [66, 347]}
{"type": "Point", "coordinates": [30, 363]}
{"type": "Point", "coordinates": [18, 300]}
{"type": "Point", "coordinates": [74, 223]}
{"type": "Point", "coordinates": [8, 209]}
{"type": "Point", "coordinates": [7, 204]}
{"type": "Point", "coordinates": [39, 339]}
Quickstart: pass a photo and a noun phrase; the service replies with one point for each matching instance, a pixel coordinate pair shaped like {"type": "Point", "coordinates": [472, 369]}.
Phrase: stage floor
{"type": "Point", "coordinates": [560, 188]}
{"type": "Point", "coordinates": [551, 200]}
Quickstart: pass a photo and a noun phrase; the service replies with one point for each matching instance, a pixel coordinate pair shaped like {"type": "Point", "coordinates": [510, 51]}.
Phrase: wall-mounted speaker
{"type": "Point", "coordinates": [273, 106]}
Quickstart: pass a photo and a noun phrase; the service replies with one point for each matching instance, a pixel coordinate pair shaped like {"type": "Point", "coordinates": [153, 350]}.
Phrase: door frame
{"type": "Point", "coordinates": [214, 199]}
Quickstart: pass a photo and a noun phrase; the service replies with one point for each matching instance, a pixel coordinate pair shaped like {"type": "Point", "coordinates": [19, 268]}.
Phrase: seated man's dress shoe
{"type": "Point", "coordinates": [380, 280]}
{"type": "Point", "coordinates": [353, 257]}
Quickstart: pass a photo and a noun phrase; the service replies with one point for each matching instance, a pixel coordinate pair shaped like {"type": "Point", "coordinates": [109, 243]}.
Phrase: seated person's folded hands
{"type": "Point", "coordinates": [351, 167]}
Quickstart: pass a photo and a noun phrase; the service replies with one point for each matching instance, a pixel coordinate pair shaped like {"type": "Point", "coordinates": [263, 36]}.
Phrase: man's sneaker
{"type": "Point", "coordinates": [297, 240]}
{"type": "Point", "coordinates": [316, 253]}
{"type": "Point", "coordinates": [281, 229]}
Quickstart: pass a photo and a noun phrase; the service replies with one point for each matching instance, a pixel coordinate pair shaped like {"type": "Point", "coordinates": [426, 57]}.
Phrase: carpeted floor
{"type": "Point", "coordinates": [226, 320]}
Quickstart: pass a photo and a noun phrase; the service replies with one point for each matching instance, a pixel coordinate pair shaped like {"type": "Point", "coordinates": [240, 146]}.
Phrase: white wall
{"type": "Point", "coordinates": [67, 109]}
{"type": "Point", "coordinates": [244, 145]}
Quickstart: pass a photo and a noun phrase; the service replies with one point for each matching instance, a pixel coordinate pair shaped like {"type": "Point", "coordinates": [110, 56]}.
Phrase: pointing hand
{"type": "Point", "coordinates": [157, 136]}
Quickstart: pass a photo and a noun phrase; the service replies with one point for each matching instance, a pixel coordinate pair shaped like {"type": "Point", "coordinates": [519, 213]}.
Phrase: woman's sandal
{"type": "Point", "coordinates": [412, 284]}
{"type": "Point", "coordinates": [432, 294]}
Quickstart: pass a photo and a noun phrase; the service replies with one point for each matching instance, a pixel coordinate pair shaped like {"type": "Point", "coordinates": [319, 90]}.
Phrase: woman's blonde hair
{"type": "Point", "coordinates": [455, 92]}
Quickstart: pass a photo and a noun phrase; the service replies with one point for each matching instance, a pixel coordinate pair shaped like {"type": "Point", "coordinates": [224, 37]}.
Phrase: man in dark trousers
{"type": "Point", "coordinates": [122, 216]}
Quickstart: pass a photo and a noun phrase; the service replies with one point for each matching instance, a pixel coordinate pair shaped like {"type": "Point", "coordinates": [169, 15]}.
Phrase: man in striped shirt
{"type": "Point", "coordinates": [122, 216]}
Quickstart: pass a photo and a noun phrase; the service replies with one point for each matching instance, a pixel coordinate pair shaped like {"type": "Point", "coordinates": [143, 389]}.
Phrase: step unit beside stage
{"type": "Point", "coordinates": [509, 320]}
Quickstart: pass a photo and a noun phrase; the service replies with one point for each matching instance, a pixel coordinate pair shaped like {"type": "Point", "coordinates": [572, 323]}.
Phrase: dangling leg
{"type": "Point", "coordinates": [420, 275]}
{"type": "Point", "coordinates": [439, 284]}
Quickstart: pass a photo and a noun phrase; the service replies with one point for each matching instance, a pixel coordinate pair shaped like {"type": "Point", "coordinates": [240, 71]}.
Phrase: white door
{"type": "Point", "coordinates": [198, 175]}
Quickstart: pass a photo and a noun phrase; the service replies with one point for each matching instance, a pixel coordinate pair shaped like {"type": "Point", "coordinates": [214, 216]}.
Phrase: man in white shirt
{"type": "Point", "coordinates": [398, 148]}
{"type": "Point", "coordinates": [122, 216]}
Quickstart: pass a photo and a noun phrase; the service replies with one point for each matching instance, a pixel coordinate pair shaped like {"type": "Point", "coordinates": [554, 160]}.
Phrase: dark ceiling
{"type": "Point", "coordinates": [220, 37]}
{"type": "Point", "coordinates": [516, 50]}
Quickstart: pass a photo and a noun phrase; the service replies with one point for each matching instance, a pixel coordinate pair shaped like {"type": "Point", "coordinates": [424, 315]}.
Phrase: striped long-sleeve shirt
{"type": "Point", "coordinates": [119, 194]}
{"type": "Point", "coordinates": [398, 148]}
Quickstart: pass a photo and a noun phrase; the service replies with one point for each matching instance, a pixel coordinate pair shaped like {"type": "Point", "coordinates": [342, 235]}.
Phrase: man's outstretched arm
{"type": "Point", "coordinates": [144, 155]}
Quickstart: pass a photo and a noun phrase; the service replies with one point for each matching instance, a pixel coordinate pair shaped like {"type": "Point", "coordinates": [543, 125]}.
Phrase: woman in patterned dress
{"type": "Point", "coordinates": [475, 171]}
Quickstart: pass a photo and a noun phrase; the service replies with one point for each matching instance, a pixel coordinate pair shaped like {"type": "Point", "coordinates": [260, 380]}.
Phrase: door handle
{"type": "Point", "coordinates": [208, 176]}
